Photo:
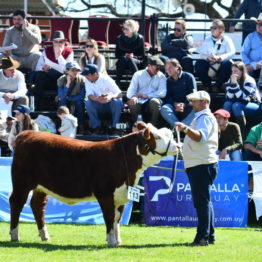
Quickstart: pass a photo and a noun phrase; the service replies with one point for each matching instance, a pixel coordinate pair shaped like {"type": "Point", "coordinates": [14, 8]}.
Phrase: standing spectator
{"type": "Point", "coordinates": [12, 85]}
{"type": "Point", "coordinates": [23, 122]}
{"type": "Point", "coordinates": [179, 85]}
{"type": "Point", "coordinates": [230, 139]}
{"type": "Point", "coordinates": [253, 144]}
{"type": "Point", "coordinates": [68, 122]}
{"type": "Point", "coordinates": [242, 96]}
{"type": "Point", "coordinates": [27, 37]}
{"type": "Point", "coordinates": [71, 92]}
{"type": "Point", "coordinates": [51, 65]}
{"type": "Point", "coordinates": [250, 8]}
{"type": "Point", "coordinates": [146, 90]}
{"type": "Point", "coordinates": [130, 50]}
{"type": "Point", "coordinates": [178, 45]}
{"type": "Point", "coordinates": [103, 97]}
{"type": "Point", "coordinates": [199, 152]}
{"type": "Point", "coordinates": [251, 52]}
{"type": "Point", "coordinates": [92, 56]}
{"type": "Point", "coordinates": [216, 52]}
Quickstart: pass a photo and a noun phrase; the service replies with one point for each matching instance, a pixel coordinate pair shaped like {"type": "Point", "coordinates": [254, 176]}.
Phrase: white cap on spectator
{"type": "Point", "coordinates": [199, 95]}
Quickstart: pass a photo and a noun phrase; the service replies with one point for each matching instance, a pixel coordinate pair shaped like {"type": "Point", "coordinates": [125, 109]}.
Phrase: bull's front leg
{"type": "Point", "coordinates": [118, 216]}
{"type": "Point", "coordinates": [108, 210]}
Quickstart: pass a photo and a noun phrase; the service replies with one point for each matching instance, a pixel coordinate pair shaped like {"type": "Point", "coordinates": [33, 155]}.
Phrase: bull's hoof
{"type": "Point", "coordinates": [43, 233]}
{"type": "Point", "coordinates": [113, 244]}
{"type": "Point", "coordinates": [14, 235]}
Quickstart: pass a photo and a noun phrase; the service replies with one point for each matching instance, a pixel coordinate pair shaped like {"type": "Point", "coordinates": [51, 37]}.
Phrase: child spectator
{"type": "Point", "coordinates": [69, 122]}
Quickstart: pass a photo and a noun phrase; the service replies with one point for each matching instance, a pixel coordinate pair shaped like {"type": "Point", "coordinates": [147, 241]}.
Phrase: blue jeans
{"type": "Point", "coordinates": [169, 114]}
{"type": "Point", "coordinates": [224, 72]}
{"type": "Point", "coordinates": [234, 155]}
{"type": "Point", "coordinates": [201, 178]}
{"type": "Point", "coordinates": [241, 109]}
{"type": "Point", "coordinates": [94, 109]}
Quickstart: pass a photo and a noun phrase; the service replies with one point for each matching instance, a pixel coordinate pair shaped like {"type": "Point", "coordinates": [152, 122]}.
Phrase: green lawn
{"type": "Point", "coordinates": [140, 243]}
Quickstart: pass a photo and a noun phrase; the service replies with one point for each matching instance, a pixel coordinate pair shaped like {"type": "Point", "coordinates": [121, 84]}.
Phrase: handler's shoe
{"type": "Point", "coordinates": [201, 242]}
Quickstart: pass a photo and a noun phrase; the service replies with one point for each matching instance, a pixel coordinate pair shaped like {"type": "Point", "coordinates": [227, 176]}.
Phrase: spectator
{"type": "Point", "coordinates": [12, 85]}
{"type": "Point", "coordinates": [26, 37]}
{"type": "Point", "coordinates": [130, 50]}
{"type": "Point", "coordinates": [68, 122]}
{"type": "Point", "coordinates": [216, 52]}
{"type": "Point", "coordinates": [230, 139]}
{"type": "Point", "coordinates": [5, 128]}
{"type": "Point", "coordinates": [146, 90]}
{"type": "Point", "coordinates": [250, 8]}
{"type": "Point", "coordinates": [51, 65]}
{"type": "Point", "coordinates": [242, 96]}
{"type": "Point", "coordinates": [71, 92]}
{"type": "Point", "coordinates": [251, 51]}
{"type": "Point", "coordinates": [92, 56]}
{"type": "Point", "coordinates": [178, 45]}
{"type": "Point", "coordinates": [103, 96]}
{"type": "Point", "coordinates": [253, 144]}
{"type": "Point", "coordinates": [23, 122]}
{"type": "Point", "coordinates": [179, 85]}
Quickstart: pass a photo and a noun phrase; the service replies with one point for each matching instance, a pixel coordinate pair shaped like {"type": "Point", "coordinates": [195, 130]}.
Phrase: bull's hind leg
{"type": "Point", "coordinates": [108, 209]}
{"type": "Point", "coordinates": [118, 216]}
{"type": "Point", "coordinates": [17, 201]}
{"type": "Point", "coordinates": [38, 204]}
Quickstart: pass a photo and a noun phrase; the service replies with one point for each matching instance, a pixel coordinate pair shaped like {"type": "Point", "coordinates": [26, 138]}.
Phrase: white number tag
{"type": "Point", "coordinates": [133, 193]}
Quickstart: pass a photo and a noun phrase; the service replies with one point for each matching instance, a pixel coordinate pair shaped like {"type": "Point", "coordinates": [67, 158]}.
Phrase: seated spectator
{"type": "Point", "coordinates": [230, 140]}
{"type": "Point", "coordinates": [68, 122]}
{"type": "Point", "coordinates": [251, 50]}
{"type": "Point", "coordinates": [26, 37]}
{"type": "Point", "coordinates": [103, 97]}
{"type": "Point", "coordinates": [146, 90]}
{"type": "Point", "coordinates": [5, 128]}
{"type": "Point", "coordinates": [242, 96]}
{"type": "Point", "coordinates": [51, 65]}
{"type": "Point", "coordinates": [71, 92]}
{"type": "Point", "coordinates": [12, 85]}
{"type": "Point", "coordinates": [216, 52]}
{"type": "Point", "coordinates": [179, 84]}
{"type": "Point", "coordinates": [92, 56]}
{"type": "Point", "coordinates": [177, 45]}
{"type": "Point", "coordinates": [23, 122]}
{"type": "Point", "coordinates": [253, 144]}
{"type": "Point", "coordinates": [130, 50]}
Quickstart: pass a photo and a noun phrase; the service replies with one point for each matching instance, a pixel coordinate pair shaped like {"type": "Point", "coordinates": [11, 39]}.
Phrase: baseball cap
{"type": "Point", "coordinates": [154, 60]}
{"type": "Point", "coordinates": [223, 113]}
{"type": "Point", "coordinates": [198, 95]}
{"type": "Point", "coordinates": [22, 109]}
{"type": "Point", "coordinates": [73, 65]}
{"type": "Point", "coordinates": [90, 69]}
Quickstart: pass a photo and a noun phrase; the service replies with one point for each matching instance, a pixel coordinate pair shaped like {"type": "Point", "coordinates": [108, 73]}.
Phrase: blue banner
{"type": "Point", "coordinates": [56, 212]}
{"type": "Point", "coordinates": [229, 195]}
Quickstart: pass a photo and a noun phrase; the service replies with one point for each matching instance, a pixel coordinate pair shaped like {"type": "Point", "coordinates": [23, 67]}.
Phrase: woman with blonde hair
{"type": "Point", "coordinates": [92, 56]}
{"type": "Point", "coordinates": [130, 50]}
{"type": "Point", "coordinates": [242, 95]}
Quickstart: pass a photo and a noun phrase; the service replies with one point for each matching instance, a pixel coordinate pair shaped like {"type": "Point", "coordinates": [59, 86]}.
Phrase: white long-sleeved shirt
{"type": "Point", "coordinates": [226, 51]}
{"type": "Point", "coordinates": [152, 86]}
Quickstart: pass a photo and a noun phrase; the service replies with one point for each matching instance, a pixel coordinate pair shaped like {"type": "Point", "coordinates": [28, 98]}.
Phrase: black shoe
{"type": "Point", "coordinates": [201, 242]}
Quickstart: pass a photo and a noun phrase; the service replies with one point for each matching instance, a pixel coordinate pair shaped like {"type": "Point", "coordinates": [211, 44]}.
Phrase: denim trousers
{"type": "Point", "coordinates": [234, 155]}
{"type": "Point", "coordinates": [201, 178]}
{"type": "Point", "coordinates": [241, 109]}
{"type": "Point", "coordinates": [169, 114]}
{"type": "Point", "coordinates": [95, 109]}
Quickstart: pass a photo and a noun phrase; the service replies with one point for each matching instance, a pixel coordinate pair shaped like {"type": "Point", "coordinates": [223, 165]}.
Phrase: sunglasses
{"type": "Point", "coordinates": [259, 24]}
{"type": "Point", "coordinates": [213, 28]}
{"type": "Point", "coordinates": [59, 42]}
{"type": "Point", "coordinates": [90, 46]}
{"type": "Point", "coordinates": [177, 29]}
{"type": "Point", "coordinates": [125, 29]}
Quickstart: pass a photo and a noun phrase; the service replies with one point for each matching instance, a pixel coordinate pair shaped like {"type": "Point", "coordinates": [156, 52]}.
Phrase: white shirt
{"type": "Point", "coordinates": [103, 85]}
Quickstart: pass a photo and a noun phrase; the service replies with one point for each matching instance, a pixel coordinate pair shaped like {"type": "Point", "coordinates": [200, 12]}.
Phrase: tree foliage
{"type": "Point", "coordinates": [204, 7]}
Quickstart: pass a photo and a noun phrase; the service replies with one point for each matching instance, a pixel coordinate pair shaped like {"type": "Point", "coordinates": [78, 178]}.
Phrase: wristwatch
{"type": "Point", "coordinates": [185, 129]}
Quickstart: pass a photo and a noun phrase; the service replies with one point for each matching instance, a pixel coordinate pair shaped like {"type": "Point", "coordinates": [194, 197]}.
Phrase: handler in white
{"type": "Point", "coordinates": [199, 151]}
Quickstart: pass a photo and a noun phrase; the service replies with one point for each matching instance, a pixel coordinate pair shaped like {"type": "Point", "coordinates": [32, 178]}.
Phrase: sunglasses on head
{"type": "Point", "coordinates": [213, 28]}
{"type": "Point", "coordinates": [91, 46]}
{"type": "Point", "coordinates": [177, 29]}
{"type": "Point", "coordinates": [59, 41]}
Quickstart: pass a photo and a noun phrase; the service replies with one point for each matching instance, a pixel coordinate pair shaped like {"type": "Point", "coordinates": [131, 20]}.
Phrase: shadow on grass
{"type": "Point", "coordinates": [47, 247]}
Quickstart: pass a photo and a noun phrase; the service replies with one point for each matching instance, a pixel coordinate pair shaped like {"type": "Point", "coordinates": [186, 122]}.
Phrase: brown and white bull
{"type": "Point", "coordinates": [74, 171]}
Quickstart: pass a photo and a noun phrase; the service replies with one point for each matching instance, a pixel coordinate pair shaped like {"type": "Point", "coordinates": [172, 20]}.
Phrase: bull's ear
{"type": "Point", "coordinates": [146, 134]}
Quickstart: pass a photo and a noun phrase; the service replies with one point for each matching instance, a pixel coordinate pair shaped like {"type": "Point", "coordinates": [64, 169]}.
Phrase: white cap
{"type": "Point", "coordinates": [198, 95]}
{"type": "Point", "coordinates": [257, 19]}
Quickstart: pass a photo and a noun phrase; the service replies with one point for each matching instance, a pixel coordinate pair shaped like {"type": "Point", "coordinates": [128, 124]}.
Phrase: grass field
{"type": "Point", "coordinates": [140, 243]}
